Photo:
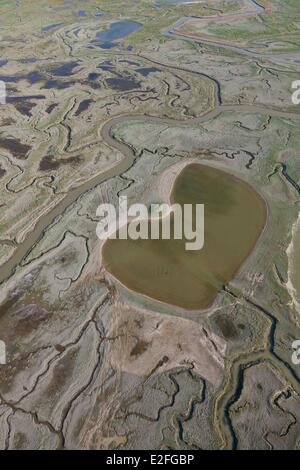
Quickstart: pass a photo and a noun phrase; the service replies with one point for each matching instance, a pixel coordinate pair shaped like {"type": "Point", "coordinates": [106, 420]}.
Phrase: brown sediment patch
{"type": "Point", "coordinates": [50, 108]}
{"type": "Point", "coordinates": [7, 122]}
{"type": "Point", "coordinates": [163, 270]}
{"type": "Point", "coordinates": [7, 305]}
{"type": "Point", "coordinates": [83, 106]}
{"type": "Point", "coordinates": [139, 348]}
{"type": "Point", "coordinates": [24, 104]}
{"type": "Point", "coordinates": [226, 326]}
{"type": "Point", "coordinates": [21, 318]}
{"type": "Point", "coordinates": [28, 318]}
{"type": "Point", "coordinates": [61, 372]}
{"type": "Point", "coordinates": [123, 84]}
{"type": "Point", "coordinates": [48, 162]}
{"type": "Point", "coordinates": [2, 172]}
{"type": "Point", "coordinates": [15, 147]}
{"type": "Point", "coordinates": [25, 107]}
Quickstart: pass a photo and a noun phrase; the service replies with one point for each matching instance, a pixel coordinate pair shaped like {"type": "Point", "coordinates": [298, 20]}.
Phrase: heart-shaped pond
{"type": "Point", "coordinates": [235, 215]}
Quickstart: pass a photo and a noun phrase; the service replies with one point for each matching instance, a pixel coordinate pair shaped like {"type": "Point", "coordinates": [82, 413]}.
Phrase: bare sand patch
{"type": "Point", "coordinates": [146, 342]}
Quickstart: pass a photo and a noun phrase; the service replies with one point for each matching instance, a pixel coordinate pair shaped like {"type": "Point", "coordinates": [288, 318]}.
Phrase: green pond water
{"type": "Point", "coordinates": [164, 270]}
